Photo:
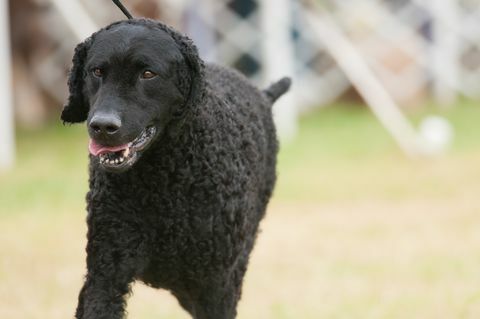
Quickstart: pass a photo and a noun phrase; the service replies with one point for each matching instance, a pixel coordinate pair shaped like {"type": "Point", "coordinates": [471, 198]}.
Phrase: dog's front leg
{"type": "Point", "coordinates": [102, 297]}
{"type": "Point", "coordinates": [112, 263]}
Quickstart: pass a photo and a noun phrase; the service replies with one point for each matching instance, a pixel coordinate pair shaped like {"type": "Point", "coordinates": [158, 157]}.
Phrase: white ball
{"type": "Point", "coordinates": [437, 134]}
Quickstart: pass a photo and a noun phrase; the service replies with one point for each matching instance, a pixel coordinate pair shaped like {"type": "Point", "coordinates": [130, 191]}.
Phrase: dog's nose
{"type": "Point", "coordinates": [103, 124]}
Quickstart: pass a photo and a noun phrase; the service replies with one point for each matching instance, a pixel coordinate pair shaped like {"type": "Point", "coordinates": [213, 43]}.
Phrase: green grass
{"type": "Point", "coordinates": [342, 152]}
{"type": "Point", "coordinates": [50, 173]}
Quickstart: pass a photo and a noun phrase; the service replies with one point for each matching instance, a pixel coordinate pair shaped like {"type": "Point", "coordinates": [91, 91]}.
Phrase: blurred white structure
{"type": "Point", "coordinates": [76, 18]}
{"type": "Point", "coordinates": [445, 51]}
{"type": "Point", "coordinates": [365, 82]}
{"type": "Point", "coordinates": [7, 144]}
{"type": "Point", "coordinates": [278, 60]}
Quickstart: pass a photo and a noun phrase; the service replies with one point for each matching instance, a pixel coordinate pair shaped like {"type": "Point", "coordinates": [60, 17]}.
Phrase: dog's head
{"type": "Point", "coordinates": [129, 81]}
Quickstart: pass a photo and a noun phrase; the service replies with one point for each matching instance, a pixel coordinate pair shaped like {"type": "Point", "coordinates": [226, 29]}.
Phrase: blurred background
{"type": "Point", "coordinates": [376, 210]}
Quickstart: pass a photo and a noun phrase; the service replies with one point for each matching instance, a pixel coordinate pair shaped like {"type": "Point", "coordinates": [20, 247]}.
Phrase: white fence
{"type": "Point", "coordinates": [415, 47]}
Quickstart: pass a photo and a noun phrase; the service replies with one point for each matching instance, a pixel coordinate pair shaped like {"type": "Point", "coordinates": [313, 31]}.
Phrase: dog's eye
{"type": "Point", "coordinates": [148, 75]}
{"type": "Point", "coordinates": [98, 72]}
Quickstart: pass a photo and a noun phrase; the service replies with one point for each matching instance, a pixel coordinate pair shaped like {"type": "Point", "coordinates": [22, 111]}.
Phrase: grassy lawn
{"type": "Point", "coordinates": [355, 229]}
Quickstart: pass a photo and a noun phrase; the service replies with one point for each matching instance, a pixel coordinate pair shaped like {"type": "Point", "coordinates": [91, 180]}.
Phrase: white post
{"type": "Point", "coordinates": [7, 136]}
{"type": "Point", "coordinates": [445, 50]}
{"type": "Point", "coordinates": [278, 60]}
{"type": "Point", "coordinates": [195, 16]}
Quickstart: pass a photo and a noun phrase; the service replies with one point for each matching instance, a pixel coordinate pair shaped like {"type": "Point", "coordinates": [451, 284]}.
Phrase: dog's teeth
{"type": "Point", "coordinates": [114, 159]}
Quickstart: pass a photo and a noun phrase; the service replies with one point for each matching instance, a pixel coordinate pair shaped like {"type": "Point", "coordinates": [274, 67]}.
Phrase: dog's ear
{"type": "Point", "coordinates": [76, 109]}
{"type": "Point", "coordinates": [196, 67]}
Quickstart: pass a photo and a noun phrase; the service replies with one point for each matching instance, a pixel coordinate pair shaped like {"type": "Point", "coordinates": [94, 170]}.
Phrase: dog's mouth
{"type": "Point", "coordinates": [122, 157]}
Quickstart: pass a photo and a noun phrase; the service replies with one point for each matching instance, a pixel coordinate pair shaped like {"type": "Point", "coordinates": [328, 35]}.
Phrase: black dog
{"type": "Point", "coordinates": [182, 166]}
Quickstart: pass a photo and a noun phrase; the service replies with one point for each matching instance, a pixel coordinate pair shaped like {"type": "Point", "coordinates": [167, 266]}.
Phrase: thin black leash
{"type": "Point", "coordinates": [124, 10]}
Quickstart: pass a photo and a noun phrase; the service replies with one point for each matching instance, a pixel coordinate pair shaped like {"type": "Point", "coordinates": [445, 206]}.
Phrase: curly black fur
{"type": "Point", "coordinates": [186, 215]}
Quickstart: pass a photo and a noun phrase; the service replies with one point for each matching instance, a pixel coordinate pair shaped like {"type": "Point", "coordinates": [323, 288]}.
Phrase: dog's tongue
{"type": "Point", "coordinates": [97, 149]}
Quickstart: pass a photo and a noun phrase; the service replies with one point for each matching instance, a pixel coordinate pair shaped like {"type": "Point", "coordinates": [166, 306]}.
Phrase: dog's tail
{"type": "Point", "coordinates": [277, 89]}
